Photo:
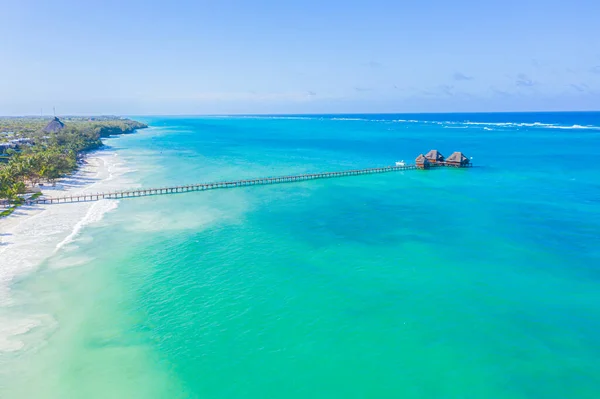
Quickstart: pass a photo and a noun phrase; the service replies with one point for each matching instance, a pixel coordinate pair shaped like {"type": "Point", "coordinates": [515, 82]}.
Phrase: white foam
{"type": "Point", "coordinates": [534, 125]}
{"type": "Point", "coordinates": [13, 330]}
{"type": "Point", "coordinates": [575, 127]}
{"type": "Point", "coordinates": [34, 233]}
{"type": "Point", "coordinates": [9, 329]}
{"type": "Point", "coordinates": [414, 121]}
{"type": "Point", "coordinates": [457, 124]}
{"type": "Point", "coordinates": [94, 214]}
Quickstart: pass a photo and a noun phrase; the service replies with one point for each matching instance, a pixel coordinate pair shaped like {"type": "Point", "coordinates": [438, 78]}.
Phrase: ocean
{"type": "Point", "coordinates": [447, 283]}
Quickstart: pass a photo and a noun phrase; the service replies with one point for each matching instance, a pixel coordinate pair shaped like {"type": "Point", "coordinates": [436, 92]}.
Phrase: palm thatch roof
{"type": "Point", "coordinates": [458, 157]}
{"type": "Point", "coordinates": [421, 159]}
{"type": "Point", "coordinates": [55, 125]}
{"type": "Point", "coordinates": [435, 155]}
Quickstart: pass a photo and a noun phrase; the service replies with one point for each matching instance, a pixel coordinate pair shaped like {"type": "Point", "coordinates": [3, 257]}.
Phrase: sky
{"type": "Point", "coordinates": [227, 57]}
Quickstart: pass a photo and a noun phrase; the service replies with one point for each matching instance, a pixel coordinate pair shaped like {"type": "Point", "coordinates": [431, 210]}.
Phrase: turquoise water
{"type": "Point", "coordinates": [480, 283]}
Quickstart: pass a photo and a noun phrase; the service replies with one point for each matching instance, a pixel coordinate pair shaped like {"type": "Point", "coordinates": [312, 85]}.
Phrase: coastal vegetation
{"type": "Point", "coordinates": [33, 151]}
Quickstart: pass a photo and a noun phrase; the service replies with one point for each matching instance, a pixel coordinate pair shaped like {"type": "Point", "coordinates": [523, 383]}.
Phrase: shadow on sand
{"type": "Point", "coordinates": [3, 238]}
{"type": "Point", "coordinates": [69, 183]}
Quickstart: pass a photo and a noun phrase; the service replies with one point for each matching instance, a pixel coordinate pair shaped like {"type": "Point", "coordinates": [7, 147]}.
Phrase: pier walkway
{"type": "Point", "coordinates": [143, 192]}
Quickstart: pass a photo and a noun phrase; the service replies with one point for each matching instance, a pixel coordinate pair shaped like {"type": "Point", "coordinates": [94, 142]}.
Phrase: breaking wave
{"type": "Point", "coordinates": [448, 124]}
{"type": "Point", "coordinates": [93, 215]}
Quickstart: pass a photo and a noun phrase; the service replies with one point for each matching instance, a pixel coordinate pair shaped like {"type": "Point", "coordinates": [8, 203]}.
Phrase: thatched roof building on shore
{"type": "Point", "coordinates": [434, 156]}
{"type": "Point", "coordinates": [54, 126]}
{"type": "Point", "coordinates": [457, 159]}
{"type": "Point", "coordinates": [422, 162]}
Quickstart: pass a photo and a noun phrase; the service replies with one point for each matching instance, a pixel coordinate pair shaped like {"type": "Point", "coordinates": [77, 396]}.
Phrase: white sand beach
{"type": "Point", "coordinates": [33, 233]}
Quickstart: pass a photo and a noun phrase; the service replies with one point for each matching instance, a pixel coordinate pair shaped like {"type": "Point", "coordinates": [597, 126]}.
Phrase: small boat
{"type": "Point", "coordinates": [400, 163]}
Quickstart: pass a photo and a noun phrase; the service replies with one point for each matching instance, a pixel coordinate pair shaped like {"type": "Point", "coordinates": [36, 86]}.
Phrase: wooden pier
{"type": "Point", "coordinates": [143, 192]}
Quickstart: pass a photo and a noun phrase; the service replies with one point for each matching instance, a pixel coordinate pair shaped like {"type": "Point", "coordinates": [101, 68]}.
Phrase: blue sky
{"type": "Point", "coordinates": [206, 57]}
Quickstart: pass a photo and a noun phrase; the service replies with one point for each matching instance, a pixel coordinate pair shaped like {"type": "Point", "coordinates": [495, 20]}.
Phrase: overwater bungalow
{"type": "Point", "coordinates": [422, 162]}
{"type": "Point", "coordinates": [458, 159]}
{"type": "Point", "coordinates": [434, 156]}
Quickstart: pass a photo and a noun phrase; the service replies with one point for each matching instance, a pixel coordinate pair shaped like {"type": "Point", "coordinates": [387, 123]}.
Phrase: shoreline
{"type": "Point", "coordinates": [34, 153]}
{"type": "Point", "coordinates": [33, 234]}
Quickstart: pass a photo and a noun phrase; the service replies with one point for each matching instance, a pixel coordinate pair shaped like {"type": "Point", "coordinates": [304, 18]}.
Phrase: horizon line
{"type": "Point", "coordinates": [306, 114]}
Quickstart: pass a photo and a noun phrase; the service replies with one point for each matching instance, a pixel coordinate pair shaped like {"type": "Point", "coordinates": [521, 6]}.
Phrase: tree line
{"type": "Point", "coordinates": [51, 156]}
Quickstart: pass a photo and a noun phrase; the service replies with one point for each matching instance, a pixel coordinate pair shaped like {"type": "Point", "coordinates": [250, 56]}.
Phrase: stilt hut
{"type": "Point", "coordinates": [458, 160]}
{"type": "Point", "coordinates": [434, 156]}
{"type": "Point", "coordinates": [422, 162]}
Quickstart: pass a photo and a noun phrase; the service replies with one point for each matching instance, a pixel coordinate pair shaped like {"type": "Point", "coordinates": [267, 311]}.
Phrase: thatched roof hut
{"type": "Point", "coordinates": [457, 159]}
{"type": "Point", "coordinates": [422, 162]}
{"type": "Point", "coordinates": [55, 125]}
{"type": "Point", "coordinates": [434, 156]}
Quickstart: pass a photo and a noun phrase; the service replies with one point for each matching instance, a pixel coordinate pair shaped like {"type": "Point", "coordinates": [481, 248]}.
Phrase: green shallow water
{"type": "Point", "coordinates": [477, 283]}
